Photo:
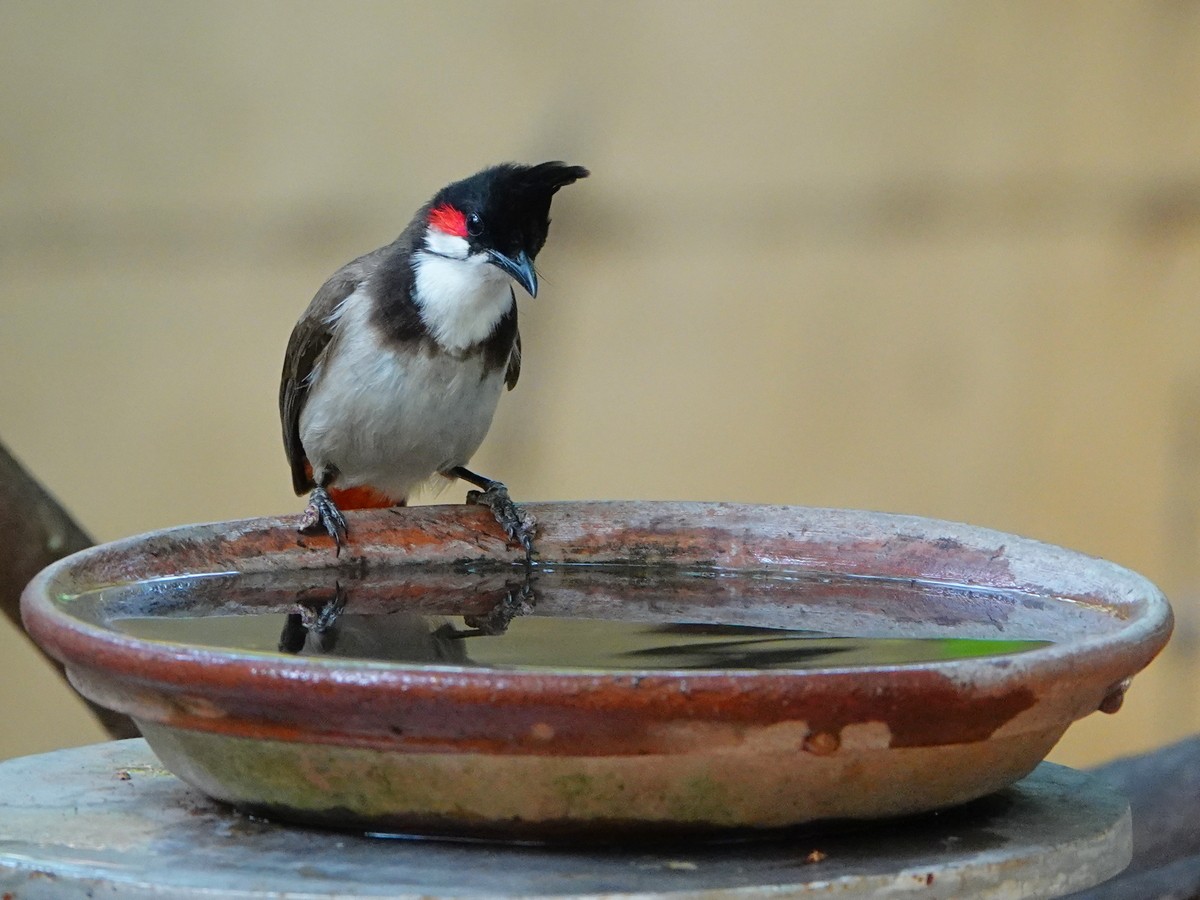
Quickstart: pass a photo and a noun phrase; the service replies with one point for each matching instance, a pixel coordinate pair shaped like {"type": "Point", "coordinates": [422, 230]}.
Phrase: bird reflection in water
{"type": "Point", "coordinates": [320, 626]}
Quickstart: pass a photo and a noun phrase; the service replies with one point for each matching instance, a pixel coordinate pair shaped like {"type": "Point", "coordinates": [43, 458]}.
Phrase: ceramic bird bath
{"type": "Point", "coordinates": [429, 741]}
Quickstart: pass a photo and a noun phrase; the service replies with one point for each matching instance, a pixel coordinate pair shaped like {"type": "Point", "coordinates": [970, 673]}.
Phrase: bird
{"type": "Point", "coordinates": [393, 373]}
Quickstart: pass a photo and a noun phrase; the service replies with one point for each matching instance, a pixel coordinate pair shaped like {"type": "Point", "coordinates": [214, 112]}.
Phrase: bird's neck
{"type": "Point", "coordinates": [460, 301]}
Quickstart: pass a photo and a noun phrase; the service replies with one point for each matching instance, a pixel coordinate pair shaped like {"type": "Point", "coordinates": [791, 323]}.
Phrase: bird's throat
{"type": "Point", "coordinates": [460, 300]}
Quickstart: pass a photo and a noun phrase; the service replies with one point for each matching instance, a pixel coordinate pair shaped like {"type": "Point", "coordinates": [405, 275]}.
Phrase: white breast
{"type": "Point", "coordinates": [392, 419]}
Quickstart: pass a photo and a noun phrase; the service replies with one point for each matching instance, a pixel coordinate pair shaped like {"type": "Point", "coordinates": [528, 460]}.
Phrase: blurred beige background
{"type": "Point", "coordinates": [928, 257]}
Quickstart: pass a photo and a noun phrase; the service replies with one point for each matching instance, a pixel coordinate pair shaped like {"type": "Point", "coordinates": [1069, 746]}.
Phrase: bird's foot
{"type": "Point", "coordinates": [322, 514]}
{"type": "Point", "coordinates": [319, 614]}
{"type": "Point", "coordinates": [314, 616]}
{"type": "Point", "coordinates": [519, 525]}
{"type": "Point", "coordinates": [518, 601]}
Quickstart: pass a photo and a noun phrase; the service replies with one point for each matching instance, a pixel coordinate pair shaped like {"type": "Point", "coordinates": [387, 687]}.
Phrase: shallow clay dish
{"type": "Point", "coordinates": [547, 754]}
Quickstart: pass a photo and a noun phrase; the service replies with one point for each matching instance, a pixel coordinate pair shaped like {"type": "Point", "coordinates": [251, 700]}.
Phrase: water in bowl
{"type": "Point", "coordinates": [576, 618]}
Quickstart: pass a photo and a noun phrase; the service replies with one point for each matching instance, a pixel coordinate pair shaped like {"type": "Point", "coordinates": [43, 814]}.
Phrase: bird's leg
{"type": "Point", "coordinates": [321, 613]}
{"type": "Point", "coordinates": [518, 601]}
{"type": "Point", "coordinates": [322, 513]}
{"type": "Point", "coordinates": [517, 524]}
{"type": "Point", "coordinates": [314, 615]}
{"type": "Point", "coordinates": [321, 621]}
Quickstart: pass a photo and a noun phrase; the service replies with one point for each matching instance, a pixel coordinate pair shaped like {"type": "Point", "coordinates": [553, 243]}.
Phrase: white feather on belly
{"type": "Point", "coordinates": [391, 420]}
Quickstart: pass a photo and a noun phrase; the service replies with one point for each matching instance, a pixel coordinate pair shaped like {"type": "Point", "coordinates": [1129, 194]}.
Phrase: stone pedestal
{"type": "Point", "coordinates": [108, 821]}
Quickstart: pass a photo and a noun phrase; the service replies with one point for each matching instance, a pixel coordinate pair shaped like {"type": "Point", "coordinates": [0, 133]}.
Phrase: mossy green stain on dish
{"type": "Point", "coordinates": [589, 792]}
{"type": "Point", "coordinates": [572, 788]}
{"type": "Point", "coordinates": [699, 799]}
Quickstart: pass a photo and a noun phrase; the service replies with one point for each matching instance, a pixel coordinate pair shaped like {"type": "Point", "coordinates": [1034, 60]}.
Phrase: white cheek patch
{"type": "Point", "coordinates": [444, 244]}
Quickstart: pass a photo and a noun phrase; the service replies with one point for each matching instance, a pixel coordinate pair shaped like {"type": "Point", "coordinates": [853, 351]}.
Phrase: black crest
{"type": "Point", "coordinates": [512, 202]}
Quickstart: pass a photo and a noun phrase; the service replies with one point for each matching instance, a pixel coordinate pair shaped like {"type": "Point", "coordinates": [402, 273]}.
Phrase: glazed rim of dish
{"type": "Point", "coordinates": [1126, 622]}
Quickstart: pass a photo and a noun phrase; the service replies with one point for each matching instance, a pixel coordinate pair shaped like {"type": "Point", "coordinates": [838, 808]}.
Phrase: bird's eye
{"type": "Point", "coordinates": [474, 225]}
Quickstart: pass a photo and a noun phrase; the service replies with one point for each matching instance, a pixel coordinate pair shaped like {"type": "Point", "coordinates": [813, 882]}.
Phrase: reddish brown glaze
{"type": "Point", "coordinates": [1108, 623]}
{"type": "Point", "coordinates": [407, 708]}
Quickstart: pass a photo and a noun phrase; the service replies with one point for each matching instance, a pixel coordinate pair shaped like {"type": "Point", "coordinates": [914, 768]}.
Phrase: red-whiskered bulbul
{"type": "Point", "coordinates": [393, 373]}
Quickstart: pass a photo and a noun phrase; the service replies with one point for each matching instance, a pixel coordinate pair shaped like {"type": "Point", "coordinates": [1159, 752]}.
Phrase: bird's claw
{"type": "Point", "coordinates": [519, 525]}
{"type": "Point", "coordinates": [321, 618]}
{"type": "Point", "coordinates": [322, 514]}
{"type": "Point", "coordinates": [518, 601]}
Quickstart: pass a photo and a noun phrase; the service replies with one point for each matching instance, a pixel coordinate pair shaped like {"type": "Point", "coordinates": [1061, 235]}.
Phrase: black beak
{"type": "Point", "coordinates": [519, 269]}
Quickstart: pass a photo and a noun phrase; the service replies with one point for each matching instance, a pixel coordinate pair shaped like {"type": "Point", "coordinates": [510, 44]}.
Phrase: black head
{"type": "Point", "coordinates": [505, 207]}
{"type": "Point", "coordinates": [503, 211]}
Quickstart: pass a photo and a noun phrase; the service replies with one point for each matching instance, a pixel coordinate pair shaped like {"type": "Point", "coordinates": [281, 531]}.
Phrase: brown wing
{"type": "Point", "coordinates": [308, 344]}
{"type": "Point", "coordinates": [514, 364]}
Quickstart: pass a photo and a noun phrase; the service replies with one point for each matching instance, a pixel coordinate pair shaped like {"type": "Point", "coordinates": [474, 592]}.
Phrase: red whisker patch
{"type": "Point", "coordinates": [448, 219]}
